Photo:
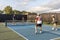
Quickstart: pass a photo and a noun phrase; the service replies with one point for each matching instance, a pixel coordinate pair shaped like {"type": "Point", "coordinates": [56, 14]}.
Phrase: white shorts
{"type": "Point", "coordinates": [39, 22]}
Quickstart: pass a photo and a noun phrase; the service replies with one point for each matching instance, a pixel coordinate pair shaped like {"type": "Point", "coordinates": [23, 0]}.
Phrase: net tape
{"type": "Point", "coordinates": [18, 23]}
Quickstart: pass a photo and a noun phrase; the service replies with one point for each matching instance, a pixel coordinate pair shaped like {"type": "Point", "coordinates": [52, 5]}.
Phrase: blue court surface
{"type": "Point", "coordinates": [28, 31]}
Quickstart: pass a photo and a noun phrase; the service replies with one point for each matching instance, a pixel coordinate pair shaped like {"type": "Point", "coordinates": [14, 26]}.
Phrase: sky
{"type": "Point", "coordinates": [31, 5]}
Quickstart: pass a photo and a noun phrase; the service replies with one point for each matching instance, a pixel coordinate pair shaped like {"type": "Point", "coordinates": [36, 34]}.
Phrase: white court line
{"type": "Point", "coordinates": [54, 33]}
{"type": "Point", "coordinates": [55, 38]}
{"type": "Point", "coordinates": [18, 33]}
{"type": "Point", "coordinates": [58, 33]}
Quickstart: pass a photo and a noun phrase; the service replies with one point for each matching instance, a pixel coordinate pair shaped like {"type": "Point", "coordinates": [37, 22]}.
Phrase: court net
{"type": "Point", "coordinates": [17, 23]}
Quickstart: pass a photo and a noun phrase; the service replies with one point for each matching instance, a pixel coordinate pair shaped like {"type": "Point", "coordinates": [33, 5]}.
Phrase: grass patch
{"type": "Point", "coordinates": [7, 34]}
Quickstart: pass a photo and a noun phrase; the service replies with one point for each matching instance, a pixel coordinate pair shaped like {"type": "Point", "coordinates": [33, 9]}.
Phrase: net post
{"type": "Point", "coordinates": [5, 23]}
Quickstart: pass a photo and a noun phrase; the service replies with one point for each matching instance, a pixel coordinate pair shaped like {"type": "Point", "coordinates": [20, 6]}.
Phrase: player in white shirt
{"type": "Point", "coordinates": [38, 22]}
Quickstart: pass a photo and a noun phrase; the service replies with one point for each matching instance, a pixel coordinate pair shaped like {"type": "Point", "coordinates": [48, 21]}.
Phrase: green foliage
{"type": "Point", "coordinates": [8, 10]}
{"type": "Point", "coordinates": [1, 11]}
{"type": "Point", "coordinates": [23, 12]}
{"type": "Point", "coordinates": [16, 12]}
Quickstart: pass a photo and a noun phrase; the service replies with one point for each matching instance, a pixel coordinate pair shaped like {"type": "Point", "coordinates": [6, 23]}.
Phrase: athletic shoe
{"type": "Point", "coordinates": [40, 31]}
{"type": "Point", "coordinates": [52, 28]}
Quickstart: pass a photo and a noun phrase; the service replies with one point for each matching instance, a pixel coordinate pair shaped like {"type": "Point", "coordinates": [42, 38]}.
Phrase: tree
{"type": "Point", "coordinates": [17, 12]}
{"type": "Point", "coordinates": [8, 10]}
{"type": "Point", "coordinates": [1, 11]}
{"type": "Point", "coordinates": [24, 12]}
